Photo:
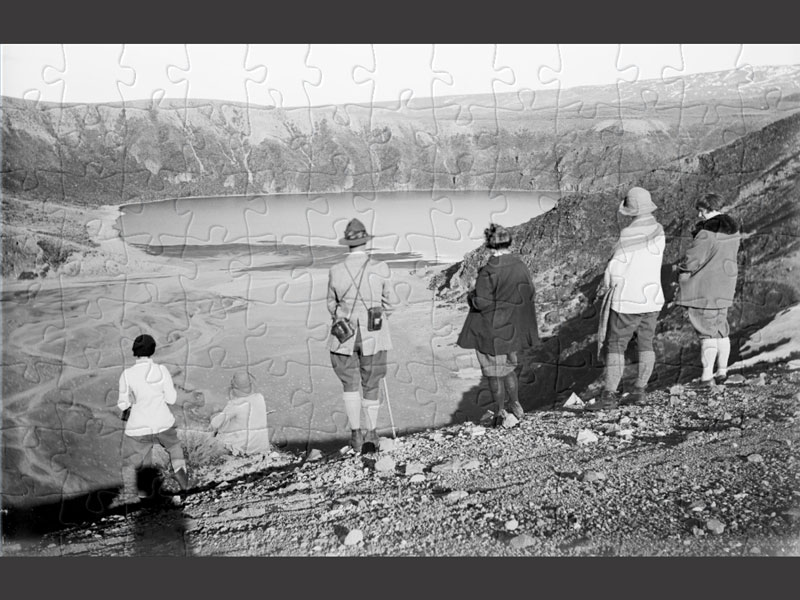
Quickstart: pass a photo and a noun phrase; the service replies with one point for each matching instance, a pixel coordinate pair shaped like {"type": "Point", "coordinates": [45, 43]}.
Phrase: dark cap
{"type": "Point", "coordinates": [144, 345]}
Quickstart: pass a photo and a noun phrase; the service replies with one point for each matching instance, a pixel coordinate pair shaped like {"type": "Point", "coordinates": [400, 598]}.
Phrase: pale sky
{"type": "Point", "coordinates": [313, 74]}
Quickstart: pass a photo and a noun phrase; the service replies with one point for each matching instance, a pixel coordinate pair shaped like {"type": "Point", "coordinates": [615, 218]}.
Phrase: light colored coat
{"type": "Point", "coordinates": [709, 270]}
{"type": "Point", "coordinates": [375, 290]}
{"type": "Point", "coordinates": [147, 389]}
{"type": "Point", "coordinates": [635, 268]}
{"type": "Point", "coordinates": [242, 425]}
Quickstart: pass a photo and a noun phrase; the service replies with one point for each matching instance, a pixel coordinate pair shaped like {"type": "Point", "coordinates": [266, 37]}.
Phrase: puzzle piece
{"type": "Point", "coordinates": [199, 193]}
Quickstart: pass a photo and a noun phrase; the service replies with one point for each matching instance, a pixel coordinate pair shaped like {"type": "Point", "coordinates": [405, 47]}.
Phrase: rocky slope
{"type": "Point", "coordinates": [684, 475]}
{"type": "Point", "coordinates": [568, 247]}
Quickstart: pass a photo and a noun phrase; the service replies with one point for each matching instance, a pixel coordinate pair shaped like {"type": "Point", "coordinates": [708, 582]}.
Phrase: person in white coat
{"type": "Point", "coordinates": [146, 392]}
{"type": "Point", "coordinates": [242, 425]}
{"type": "Point", "coordinates": [633, 276]}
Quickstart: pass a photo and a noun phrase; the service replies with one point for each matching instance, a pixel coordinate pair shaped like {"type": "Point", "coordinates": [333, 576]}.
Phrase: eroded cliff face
{"type": "Point", "coordinates": [567, 250]}
{"type": "Point", "coordinates": [579, 140]}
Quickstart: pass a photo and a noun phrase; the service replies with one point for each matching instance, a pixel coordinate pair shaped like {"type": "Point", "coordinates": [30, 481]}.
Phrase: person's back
{"type": "Point", "coordinates": [711, 264]}
{"type": "Point", "coordinates": [151, 386]}
{"type": "Point", "coordinates": [242, 425]}
{"type": "Point", "coordinates": [245, 427]}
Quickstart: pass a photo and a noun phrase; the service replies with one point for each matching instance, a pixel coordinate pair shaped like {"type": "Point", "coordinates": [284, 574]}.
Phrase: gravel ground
{"type": "Point", "coordinates": [707, 474]}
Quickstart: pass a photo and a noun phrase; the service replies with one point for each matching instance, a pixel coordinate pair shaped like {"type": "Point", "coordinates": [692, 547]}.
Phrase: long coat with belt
{"type": "Point", "coordinates": [709, 270]}
{"type": "Point", "coordinates": [502, 316]}
{"type": "Point", "coordinates": [375, 290]}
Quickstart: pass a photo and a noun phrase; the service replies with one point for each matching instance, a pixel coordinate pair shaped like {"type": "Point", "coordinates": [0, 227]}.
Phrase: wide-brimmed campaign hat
{"type": "Point", "coordinates": [637, 202]}
{"type": "Point", "coordinates": [355, 234]}
{"type": "Point", "coordinates": [496, 235]}
{"type": "Point", "coordinates": [241, 384]}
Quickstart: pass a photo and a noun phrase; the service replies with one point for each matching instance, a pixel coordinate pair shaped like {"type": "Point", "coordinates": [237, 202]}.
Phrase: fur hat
{"type": "Point", "coordinates": [355, 234]}
{"type": "Point", "coordinates": [637, 202]}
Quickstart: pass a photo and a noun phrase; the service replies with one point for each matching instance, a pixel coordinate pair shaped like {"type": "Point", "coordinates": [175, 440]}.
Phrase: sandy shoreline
{"type": "Point", "coordinates": [66, 339]}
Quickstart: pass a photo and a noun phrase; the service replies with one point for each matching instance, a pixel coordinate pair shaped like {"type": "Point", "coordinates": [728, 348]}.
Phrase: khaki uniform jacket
{"type": "Point", "coordinates": [375, 290]}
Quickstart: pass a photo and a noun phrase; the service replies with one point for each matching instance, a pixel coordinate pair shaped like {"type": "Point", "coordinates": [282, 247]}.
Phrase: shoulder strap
{"type": "Point", "coordinates": [358, 286]}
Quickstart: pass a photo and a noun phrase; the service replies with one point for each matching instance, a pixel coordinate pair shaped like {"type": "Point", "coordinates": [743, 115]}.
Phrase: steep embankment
{"type": "Point", "coordinates": [685, 475]}
{"type": "Point", "coordinates": [567, 249]}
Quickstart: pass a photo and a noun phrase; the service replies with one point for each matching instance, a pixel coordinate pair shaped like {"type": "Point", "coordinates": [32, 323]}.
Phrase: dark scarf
{"type": "Point", "coordinates": [721, 223]}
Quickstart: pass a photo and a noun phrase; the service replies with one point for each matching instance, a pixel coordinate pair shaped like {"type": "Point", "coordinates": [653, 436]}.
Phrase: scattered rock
{"type": "Point", "coordinates": [715, 526]}
{"type": "Point", "coordinates": [586, 436]}
{"type": "Point", "coordinates": [354, 536]}
{"type": "Point", "coordinates": [509, 420]}
{"type": "Point", "coordinates": [479, 430]}
{"type": "Point", "coordinates": [447, 466]}
{"type": "Point", "coordinates": [625, 433]}
{"type": "Point", "coordinates": [471, 464]}
{"type": "Point", "coordinates": [456, 495]}
{"type": "Point", "coordinates": [511, 524]}
{"type": "Point", "coordinates": [487, 418]}
{"type": "Point", "coordinates": [297, 487]}
{"type": "Point", "coordinates": [755, 458]}
{"type": "Point", "coordinates": [386, 444]}
{"type": "Point", "coordinates": [417, 478]}
{"type": "Point", "coordinates": [385, 464]}
{"type": "Point", "coordinates": [762, 380]}
{"type": "Point", "coordinates": [574, 402]}
{"type": "Point", "coordinates": [592, 476]}
{"type": "Point", "coordinates": [412, 468]}
{"type": "Point", "coordinates": [522, 540]}
{"type": "Point", "coordinates": [676, 390]}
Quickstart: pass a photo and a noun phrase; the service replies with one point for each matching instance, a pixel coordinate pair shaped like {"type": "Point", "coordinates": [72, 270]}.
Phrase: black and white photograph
{"type": "Point", "coordinates": [400, 300]}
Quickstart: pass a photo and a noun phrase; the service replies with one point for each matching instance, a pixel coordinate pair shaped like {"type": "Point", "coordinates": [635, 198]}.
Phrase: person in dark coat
{"type": "Point", "coordinates": [706, 285]}
{"type": "Point", "coordinates": [502, 319]}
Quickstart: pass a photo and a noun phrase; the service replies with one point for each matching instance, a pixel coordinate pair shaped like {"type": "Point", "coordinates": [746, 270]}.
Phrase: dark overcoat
{"type": "Point", "coordinates": [502, 316]}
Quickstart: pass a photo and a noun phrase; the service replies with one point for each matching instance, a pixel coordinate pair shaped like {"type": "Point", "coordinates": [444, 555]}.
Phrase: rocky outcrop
{"type": "Point", "coordinates": [567, 248]}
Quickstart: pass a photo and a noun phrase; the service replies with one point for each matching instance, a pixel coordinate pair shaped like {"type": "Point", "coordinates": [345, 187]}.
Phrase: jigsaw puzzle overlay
{"type": "Point", "coordinates": [212, 225]}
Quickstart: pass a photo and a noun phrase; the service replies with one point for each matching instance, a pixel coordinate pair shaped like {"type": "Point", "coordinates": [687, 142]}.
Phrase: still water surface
{"type": "Point", "coordinates": [430, 226]}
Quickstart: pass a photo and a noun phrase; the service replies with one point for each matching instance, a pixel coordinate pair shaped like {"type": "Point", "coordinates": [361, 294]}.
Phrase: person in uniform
{"type": "Point", "coordinates": [360, 295]}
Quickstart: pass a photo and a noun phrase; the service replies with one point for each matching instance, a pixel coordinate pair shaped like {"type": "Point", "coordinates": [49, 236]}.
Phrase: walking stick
{"type": "Point", "coordinates": [389, 404]}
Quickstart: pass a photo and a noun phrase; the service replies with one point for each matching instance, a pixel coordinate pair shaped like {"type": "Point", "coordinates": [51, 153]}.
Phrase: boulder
{"type": "Point", "coordinates": [715, 526]}
{"type": "Point", "coordinates": [412, 468]}
{"type": "Point", "coordinates": [385, 464]}
{"type": "Point", "coordinates": [522, 540]}
{"type": "Point", "coordinates": [386, 444]}
{"type": "Point", "coordinates": [353, 537]}
{"type": "Point", "coordinates": [456, 495]}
